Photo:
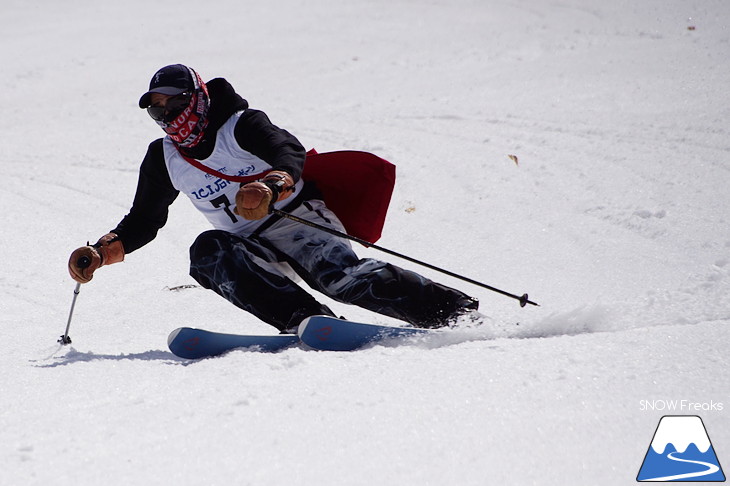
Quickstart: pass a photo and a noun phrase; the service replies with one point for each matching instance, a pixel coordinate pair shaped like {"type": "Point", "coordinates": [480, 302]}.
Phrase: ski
{"type": "Point", "coordinates": [331, 334]}
{"type": "Point", "coordinates": [190, 343]}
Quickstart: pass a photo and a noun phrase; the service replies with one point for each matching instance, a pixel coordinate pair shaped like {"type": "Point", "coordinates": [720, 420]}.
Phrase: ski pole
{"type": "Point", "coordinates": [82, 262]}
{"type": "Point", "coordinates": [523, 299]}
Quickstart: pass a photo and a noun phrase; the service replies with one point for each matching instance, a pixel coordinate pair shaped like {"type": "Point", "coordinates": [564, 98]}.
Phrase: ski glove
{"type": "Point", "coordinates": [85, 260]}
{"type": "Point", "coordinates": [256, 199]}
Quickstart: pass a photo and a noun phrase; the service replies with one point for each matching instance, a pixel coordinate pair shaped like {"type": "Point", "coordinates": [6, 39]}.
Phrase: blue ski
{"type": "Point", "coordinates": [192, 343]}
{"type": "Point", "coordinates": [331, 334]}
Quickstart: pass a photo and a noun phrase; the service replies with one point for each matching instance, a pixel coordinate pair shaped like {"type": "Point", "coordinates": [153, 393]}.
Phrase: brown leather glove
{"type": "Point", "coordinates": [85, 260]}
{"type": "Point", "coordinates": [254, 200]}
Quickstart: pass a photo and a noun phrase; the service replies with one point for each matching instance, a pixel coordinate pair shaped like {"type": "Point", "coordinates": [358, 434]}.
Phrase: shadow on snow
{"type": "Point", "coordinates": [74, 356]}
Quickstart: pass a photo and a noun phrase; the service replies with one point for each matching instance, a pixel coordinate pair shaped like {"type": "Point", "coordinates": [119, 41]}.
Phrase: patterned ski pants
{"type": "Point", "coordinates": [254, 273]}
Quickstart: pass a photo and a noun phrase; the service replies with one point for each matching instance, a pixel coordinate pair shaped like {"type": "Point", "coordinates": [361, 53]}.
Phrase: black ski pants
{"type": "Point", "coordinates": [257, 274]}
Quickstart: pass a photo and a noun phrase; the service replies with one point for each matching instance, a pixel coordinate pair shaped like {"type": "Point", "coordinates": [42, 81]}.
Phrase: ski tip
{"type": "Point", "coordinates": [303, 326]}
{"type": "Point", "coordinates": [173, 335]}
{"type": "Point", "coordinates": [305, 322]}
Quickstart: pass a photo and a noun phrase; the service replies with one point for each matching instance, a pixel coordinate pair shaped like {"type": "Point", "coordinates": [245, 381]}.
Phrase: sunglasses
{"type": "Point", "coordinates": [171, 109]}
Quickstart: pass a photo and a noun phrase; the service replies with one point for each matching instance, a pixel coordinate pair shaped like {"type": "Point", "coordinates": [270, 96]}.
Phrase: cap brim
{"type": "Point", "coordinates": [144, 101]}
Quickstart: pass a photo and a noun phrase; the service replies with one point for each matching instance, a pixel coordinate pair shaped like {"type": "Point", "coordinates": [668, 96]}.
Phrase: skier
{"type": "Point", "coordinates": [252, 256]}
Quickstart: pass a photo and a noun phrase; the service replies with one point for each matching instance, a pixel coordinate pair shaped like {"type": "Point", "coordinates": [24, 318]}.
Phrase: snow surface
{"type": "Point", "coordinates": [615, 220]}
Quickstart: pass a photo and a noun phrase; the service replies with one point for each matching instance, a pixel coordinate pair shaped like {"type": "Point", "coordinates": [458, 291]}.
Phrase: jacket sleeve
{"type": "Point", "coordinates": [256, 134]}
{"type": "Point", "coordinates": [154, 195]}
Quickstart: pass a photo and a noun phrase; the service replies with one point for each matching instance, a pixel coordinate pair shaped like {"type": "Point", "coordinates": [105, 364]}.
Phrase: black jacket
{"type": "Point", "coordinates": [254, 132]}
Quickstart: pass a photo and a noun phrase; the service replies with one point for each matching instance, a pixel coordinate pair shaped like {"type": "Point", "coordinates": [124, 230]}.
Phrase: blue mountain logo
{"type": "Point", "coordinates": [680, 451]}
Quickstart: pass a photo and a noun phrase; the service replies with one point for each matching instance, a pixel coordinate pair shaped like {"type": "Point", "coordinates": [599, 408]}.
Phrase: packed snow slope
{"type": "Point", "coordinates": [614, 217]}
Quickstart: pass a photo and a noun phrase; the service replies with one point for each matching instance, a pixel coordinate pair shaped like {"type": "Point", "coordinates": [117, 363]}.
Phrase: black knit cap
{"type": "Point", "coordinates": [169, 80]}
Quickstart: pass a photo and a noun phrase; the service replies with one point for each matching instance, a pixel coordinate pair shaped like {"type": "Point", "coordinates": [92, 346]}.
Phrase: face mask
{"type": "Point", "coordinates": [185, 116]}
